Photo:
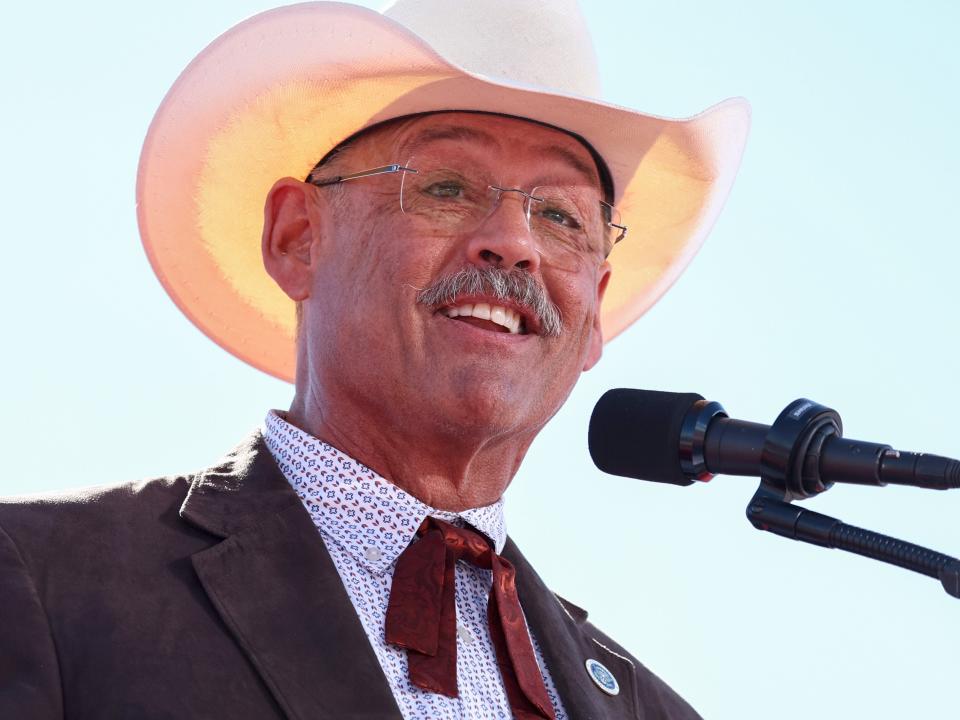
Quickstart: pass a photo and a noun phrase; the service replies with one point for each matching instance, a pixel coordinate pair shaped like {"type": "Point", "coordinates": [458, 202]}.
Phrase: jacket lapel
{"type": "Point", "coordinates": [274, 585]}
{"type": "Point", "coordinates": [567, 643]}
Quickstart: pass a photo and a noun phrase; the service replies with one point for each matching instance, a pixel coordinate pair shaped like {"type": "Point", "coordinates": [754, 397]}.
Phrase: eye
{"type": "Point", "coordinates": [558, 217]}
{"type": "Point", "coordinates": [445, 189]}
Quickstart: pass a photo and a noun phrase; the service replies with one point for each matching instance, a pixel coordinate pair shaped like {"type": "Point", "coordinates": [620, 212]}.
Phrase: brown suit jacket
{"type": "Point", "coordinates": [213, 596]}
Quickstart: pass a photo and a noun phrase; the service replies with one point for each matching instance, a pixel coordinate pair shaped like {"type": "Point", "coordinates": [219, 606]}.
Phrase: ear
{"type": "Point", "coordinates": [290, 229]}
{"type": "Point", "coordinates": [596, 336]}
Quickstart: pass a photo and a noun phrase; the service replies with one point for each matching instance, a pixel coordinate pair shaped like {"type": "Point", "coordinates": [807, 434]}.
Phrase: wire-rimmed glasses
{"type": "Point", "coordinates": [567, 220]}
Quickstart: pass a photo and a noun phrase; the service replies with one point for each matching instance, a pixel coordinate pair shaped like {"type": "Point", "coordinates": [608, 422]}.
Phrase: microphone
{"type": "Point", "coordinates": [681, 438]}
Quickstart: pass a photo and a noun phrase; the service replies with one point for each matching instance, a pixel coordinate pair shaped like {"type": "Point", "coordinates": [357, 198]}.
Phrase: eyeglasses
{"type": "Point", "coordinates": [567, 220]}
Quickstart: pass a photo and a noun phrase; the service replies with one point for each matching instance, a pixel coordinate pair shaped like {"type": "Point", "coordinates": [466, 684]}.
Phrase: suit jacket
{"type": "Point", "coordinates": [213, 596]}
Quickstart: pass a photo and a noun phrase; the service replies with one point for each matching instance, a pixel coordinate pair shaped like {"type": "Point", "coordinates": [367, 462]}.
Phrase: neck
{"type": "Point", "coordinates": [447, 468]}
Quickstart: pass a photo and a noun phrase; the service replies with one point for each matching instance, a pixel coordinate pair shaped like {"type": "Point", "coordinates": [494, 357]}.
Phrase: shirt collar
{"type": "Point", "coordinates": [367, 515]}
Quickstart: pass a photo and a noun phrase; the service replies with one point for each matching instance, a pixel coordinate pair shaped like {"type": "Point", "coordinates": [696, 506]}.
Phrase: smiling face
{"type": "Point", "coordinates": [436, 302]}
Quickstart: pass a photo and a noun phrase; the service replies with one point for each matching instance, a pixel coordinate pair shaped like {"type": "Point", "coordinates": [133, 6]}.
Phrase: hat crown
{"type": "Point", "coordinates": [539, 43]}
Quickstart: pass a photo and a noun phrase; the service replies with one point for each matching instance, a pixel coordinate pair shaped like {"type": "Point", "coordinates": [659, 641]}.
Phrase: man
{"type": "Point", "coordinates": [448, 256]}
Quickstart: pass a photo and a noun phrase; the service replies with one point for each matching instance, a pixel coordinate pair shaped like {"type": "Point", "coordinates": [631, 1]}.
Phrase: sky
{"type": "Point", "coordinates": [831, 275]}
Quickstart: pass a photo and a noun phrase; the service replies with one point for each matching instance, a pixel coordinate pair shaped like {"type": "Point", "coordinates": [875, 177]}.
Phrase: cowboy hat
{"type": "Point", "coordinates": [272, 95]}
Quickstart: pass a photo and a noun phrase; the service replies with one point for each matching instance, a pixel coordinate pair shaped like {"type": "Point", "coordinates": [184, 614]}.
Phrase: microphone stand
{"type": "Point", "coordinates": [789, 457]}
{"type": "Point", "coordinates": [767, 511]}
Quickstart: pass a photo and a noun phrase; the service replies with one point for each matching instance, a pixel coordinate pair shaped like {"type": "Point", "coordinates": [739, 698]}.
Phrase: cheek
{"type": "Point", "coordinates": [403, 263]}
{"type": "Point", "coordinates": [576, 296]}
{"type": "Point", "coordinates": [375, 273]}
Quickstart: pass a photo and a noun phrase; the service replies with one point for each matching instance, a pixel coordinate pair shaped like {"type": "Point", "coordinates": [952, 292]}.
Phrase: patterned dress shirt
{"type": "Point", "coordinates": [366, 522]}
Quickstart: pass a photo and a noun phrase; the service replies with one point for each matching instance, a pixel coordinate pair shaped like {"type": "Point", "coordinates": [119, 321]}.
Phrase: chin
{"type": "Point", "coordinates": [493, 407]}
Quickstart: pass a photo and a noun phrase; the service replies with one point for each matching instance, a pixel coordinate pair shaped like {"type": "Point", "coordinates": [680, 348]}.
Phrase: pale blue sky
{"type": "Point", "coordinates": [831, 275]}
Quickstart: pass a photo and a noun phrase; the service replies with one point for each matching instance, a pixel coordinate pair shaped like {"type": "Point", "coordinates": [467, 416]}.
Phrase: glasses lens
{"type": "Point", "coordinates": [568, 220]}
{"type": "Point", "coordinates": [446, 199]}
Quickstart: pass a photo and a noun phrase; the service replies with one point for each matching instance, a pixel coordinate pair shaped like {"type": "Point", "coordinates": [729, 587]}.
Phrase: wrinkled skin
{"type": "Point", "coordinates": [442, 408]}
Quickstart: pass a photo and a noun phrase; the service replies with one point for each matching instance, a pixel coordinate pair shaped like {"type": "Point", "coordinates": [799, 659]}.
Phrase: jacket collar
{"type": "Point", "coordinates": [238, 492]}
{"type": "Point", "coordinates": [275, 587]}
{"type": "Point", "coordinates": [568, 641]}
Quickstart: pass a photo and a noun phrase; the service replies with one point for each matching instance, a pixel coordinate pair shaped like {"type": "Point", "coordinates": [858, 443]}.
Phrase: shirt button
{"type": "Point", "coordinates": [372, 553]}
{"type": "Point", "coordinates": [464, 634]}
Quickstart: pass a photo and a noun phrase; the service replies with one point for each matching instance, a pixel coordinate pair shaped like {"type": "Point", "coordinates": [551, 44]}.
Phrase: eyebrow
{"type": "Point", "coordinates": [451, 132]}
{"type": "Point", "coordinates": [588, 170]}
{"type": "Point", "coordinates": [460, 133]}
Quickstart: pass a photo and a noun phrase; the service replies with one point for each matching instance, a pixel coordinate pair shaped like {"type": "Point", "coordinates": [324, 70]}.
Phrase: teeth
{"type": "Point", "coordinates": [510, 319]}
{"type": "Point", "coordinates": [514, 319]}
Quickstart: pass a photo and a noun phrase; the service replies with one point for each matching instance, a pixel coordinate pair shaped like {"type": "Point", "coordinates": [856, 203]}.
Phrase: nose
{"type": "Point", "coordinates": [504, 239]}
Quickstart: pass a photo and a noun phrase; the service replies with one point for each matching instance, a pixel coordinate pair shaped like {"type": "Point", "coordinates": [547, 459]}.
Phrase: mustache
{"type": "Point", "coordinates": [515, 285]}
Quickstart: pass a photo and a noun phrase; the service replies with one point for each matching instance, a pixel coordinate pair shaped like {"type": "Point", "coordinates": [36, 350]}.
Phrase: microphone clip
{"type": "Point", "coordinates": [790, 460]}
{"type": "Point", "coordinates": [790, 470]}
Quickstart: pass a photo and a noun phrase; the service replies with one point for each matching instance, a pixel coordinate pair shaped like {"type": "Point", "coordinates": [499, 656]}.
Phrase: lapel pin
{"type": "Point", "coordinates": [603, 678]}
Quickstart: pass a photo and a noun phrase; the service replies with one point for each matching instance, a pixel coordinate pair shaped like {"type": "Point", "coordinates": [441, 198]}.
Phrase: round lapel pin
{"type": "Point", "coordinates": [603, 678]}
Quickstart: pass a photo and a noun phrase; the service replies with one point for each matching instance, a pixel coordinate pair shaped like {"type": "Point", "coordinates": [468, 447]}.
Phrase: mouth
{"type": "Point", "coordinates": [490, 316]}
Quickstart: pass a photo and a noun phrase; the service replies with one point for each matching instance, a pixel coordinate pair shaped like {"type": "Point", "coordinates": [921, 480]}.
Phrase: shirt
{"type": "Point", "coordinates": [365, 522]}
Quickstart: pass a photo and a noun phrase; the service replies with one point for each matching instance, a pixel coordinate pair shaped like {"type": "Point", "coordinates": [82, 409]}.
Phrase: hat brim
{"type": "Point", "coordinates": [275, 93]}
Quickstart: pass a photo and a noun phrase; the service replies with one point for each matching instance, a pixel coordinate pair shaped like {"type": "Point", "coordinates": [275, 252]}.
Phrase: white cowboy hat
{"type": "Point", "coordinates": [271, 96]}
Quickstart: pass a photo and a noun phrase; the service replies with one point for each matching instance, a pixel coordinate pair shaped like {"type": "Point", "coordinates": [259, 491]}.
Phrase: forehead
{"type": "Point", "coordinates": [493, 136]}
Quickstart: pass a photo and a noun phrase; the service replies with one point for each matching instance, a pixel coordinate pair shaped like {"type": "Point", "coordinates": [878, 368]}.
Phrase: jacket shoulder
{"type": "Point", "coordinates": [89, 517]}
{"type": "Point", "coordinates": [102, 499]}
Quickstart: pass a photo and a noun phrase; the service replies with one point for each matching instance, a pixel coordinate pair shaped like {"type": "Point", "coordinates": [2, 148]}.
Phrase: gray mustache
{"type": "Point", "coordinates": [514, 285]}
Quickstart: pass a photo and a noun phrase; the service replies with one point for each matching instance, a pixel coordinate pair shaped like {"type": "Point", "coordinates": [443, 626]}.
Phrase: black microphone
{"type": "Point", "coordinates": [681, 438]}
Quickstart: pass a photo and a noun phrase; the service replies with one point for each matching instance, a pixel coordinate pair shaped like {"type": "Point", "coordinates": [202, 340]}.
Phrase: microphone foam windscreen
{"type": "Point", "coordinates": [636, 433]}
